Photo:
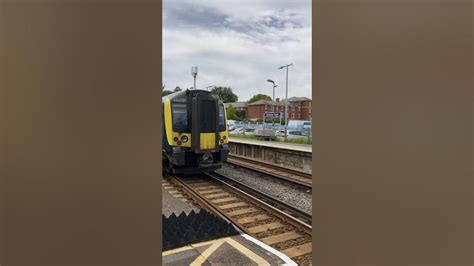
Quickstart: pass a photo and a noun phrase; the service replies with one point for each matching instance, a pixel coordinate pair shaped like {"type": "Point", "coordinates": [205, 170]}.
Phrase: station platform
{"type": "Point", "coordinates": [234, 250]}
{"type": "Point", "coordinates": [173, 201]}
{"type": "Point", "coordinates": [230, 248]}
{"type": "Point", "coordinates": [185, 224]}
{"type": "Point", "coordinates": [275, 144]}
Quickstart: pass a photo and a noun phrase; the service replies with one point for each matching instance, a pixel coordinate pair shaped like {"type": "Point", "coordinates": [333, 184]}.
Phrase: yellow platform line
{"type": "Point", "coordinates": [173, 251]}
{"type": "Point", "coordinates": [247, 252]}
{"type": "Point", "coordinates": [241, 248]}
{"type": "Point", "coordinates": [208, 252]}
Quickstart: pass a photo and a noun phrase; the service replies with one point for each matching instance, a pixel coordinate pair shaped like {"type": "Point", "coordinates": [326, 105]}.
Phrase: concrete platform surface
{"type": "Point", "coordinates": [173, 204]}
{"type": "Point", "coordinates": [236, 250]}
{"type": "Point", "coordinates": [275, 144]}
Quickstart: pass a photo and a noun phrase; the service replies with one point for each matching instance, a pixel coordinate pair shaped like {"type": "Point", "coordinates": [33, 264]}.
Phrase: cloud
{"type": "Point", "coordinates": [239, 44]}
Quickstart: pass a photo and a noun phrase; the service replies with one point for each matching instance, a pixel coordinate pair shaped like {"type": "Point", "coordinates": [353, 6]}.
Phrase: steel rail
{"type": "Point", "coordinates": [259, 199]}
{"type": "Point", "coordinates": [292, 181]}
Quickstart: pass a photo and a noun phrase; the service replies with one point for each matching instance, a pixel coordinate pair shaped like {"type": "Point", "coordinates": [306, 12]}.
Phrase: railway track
{"type": "Point", "coordinates": [250, 214]}
{"type": "Point", "coordinates": [294, 177]}
{"type": "Point", "coordinates": [273, 201]}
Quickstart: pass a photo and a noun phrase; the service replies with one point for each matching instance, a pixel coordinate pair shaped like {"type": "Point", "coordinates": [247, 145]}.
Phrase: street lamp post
{"type": "Point", "coordinates": [194, 72]}
{"type": "Point", "coordinates": [286, 100]}
{"type": "Point", "coordinates": [274, 86]}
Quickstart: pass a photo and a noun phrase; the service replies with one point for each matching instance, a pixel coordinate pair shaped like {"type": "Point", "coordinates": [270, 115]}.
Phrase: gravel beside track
{"type": "Point", "coordinates": [290, 195]}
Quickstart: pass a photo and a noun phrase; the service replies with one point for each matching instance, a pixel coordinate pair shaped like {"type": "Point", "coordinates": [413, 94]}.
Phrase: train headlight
{"type": "Point", "coordinates": [176, 139]}
{"type": "Point", "coordinates": [224, 137]}
{"type": "Point", "coordinates": [222, 141]}
{"type": "Point", "coordinates": [184, 138]}
{"type": "Point", "coordinates": [179, 142]}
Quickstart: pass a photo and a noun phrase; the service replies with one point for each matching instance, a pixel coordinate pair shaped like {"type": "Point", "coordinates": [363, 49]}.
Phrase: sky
{"type": "Point", "coordinates": [238, 44]}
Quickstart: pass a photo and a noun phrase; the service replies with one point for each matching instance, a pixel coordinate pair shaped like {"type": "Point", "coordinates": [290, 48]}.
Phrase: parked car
{"type": "Point", "coordinates": [232, 128]}
{"type": "Point", "coordinates": [280, 133]}
{"type": "Point", "coordinates": [249, 131]}
{"type": "Point", "coordinates": [291, 133]}
{"type": "Point", "coordinates": [296, 134]}
{"type": "Point", "coordinates": [231, 122]}
{"type": "Point", "coordinates": [237, 130]}
{"type": "Point", "coordinates": [300, 124]}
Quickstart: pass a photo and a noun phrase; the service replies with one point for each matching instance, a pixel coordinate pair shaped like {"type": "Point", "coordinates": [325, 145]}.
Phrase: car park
{"type": "Point", "coordinates": [249, 131]}
{"type": "Point", "coordinates": [237, 130]}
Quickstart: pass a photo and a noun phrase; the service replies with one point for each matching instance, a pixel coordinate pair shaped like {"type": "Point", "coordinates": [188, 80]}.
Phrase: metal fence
{"type": "Point", "coordinates": [270, 132]}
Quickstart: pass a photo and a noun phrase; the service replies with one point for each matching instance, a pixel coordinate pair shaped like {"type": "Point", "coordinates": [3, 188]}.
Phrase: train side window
{"type": "Point", "coordinates": [180, 114]}
{"type": "Point", "coordinates": [221, 118]}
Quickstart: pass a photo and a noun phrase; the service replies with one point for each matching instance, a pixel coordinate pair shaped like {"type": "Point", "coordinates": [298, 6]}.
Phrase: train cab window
{"type": "Point", "coordinates": [180, 114]}
{"type": "Point", "coordinates": [221, 118]}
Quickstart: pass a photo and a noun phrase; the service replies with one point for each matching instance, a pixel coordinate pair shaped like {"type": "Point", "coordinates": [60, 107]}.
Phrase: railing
{"type": "Point", "coordinates": [271, 132]}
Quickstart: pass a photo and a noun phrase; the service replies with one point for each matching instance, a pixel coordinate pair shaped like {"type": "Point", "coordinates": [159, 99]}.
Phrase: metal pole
{"type": "Point", "coordinates": [273, 97]}
{"type": "Point", "coordinates": [286, 106]}
{"type": "Point", "coordinates": [286, 101]}
{"type": "Point", "coordinates": [194, 82]}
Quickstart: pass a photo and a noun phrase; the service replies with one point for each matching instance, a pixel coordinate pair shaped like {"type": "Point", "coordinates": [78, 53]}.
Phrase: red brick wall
{"type": "Point", "coordinates": [296, 110]}
{"type": "Point", "coordinates": [306, 110]}
{"type": "Point", "coordinates": [255, 111]}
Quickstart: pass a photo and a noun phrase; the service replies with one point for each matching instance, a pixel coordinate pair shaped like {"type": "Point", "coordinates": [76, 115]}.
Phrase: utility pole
{"type": "Point", "coordinates": [286, 100]}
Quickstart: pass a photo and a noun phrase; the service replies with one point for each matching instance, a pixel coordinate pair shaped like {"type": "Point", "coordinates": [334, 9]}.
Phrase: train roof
{"type": "Point", "coordinates": [184, 93]}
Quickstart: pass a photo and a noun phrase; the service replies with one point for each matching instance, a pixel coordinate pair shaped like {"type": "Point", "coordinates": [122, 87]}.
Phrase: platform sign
{"type": "Point", "coordinates": [272, 114]}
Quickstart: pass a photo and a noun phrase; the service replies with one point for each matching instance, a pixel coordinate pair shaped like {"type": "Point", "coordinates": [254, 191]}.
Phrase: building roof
{"type": "Point", "coordinates": [236, 104]}
{"type": "Point", "coordinates": [263, 102]}
{"type": "Point", "coordinates": [298, 99]}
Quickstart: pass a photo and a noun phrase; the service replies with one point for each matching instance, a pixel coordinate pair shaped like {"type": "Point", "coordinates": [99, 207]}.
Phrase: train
{"type": "Point", "coordinates": [195, 132]}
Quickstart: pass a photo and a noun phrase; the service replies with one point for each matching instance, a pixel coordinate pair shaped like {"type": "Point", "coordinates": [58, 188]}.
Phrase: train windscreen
{"type": "Point", "coordinates": [180, 114]}
{"type": "Point", "coordinates": [221, 117]}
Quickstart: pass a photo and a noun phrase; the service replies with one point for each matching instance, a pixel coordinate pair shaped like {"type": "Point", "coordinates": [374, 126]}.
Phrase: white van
{"type": "Point", "coordinates": [299, 124]}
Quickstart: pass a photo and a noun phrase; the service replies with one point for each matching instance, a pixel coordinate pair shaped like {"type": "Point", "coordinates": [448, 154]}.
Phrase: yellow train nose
{"type": "Point", "coordinates": [207, 141]}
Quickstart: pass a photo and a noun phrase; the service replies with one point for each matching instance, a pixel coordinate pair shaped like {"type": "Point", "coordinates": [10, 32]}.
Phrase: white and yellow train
{"type": "Point", "coordinates": [195, 133]}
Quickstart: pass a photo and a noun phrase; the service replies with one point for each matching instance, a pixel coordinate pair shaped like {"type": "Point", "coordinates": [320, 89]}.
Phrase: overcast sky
{"type": "Point", "coordinates": [238, 44]}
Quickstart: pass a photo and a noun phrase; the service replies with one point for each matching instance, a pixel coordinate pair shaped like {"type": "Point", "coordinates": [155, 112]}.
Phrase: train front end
{"type": "Point", "coordinates": [195, 137]}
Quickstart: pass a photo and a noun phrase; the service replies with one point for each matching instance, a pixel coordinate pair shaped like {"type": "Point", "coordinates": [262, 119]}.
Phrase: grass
{"type": "Point", "coordinates": [243, 136]}
{"type": "Point", "coordinates": [302, 140]}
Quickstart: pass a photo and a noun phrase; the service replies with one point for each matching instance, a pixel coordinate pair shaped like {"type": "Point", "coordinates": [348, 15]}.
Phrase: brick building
{"type": "Point", "coordinates": [299, 108]}
{"type": "Point", "coordinates": [239, 106]}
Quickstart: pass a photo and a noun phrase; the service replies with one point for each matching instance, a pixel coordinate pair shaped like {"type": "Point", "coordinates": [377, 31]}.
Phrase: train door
{"type": "Point", "coordinates": [205, 123]}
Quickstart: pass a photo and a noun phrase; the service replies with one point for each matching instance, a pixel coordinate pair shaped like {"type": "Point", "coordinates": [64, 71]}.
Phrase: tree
{"type": "Point", "coordinates": [259, 97]}
{"type": "Point", "coordinates": [240, 115]}
{"type": "Point", "coordinates": [231, 113]}
{"type": "Point", "coordinates": [168, 92]}
{"type": "Point", "coordinates": [225, 94]}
